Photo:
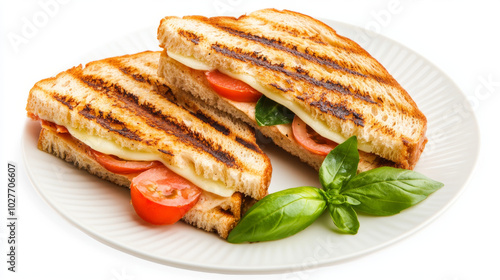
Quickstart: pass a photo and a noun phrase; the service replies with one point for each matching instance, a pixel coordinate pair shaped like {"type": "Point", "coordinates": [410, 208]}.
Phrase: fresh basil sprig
{"type": "Point", "coordinates": [268, 112]}
{"type": "Point", "coordinates": [382, 191]}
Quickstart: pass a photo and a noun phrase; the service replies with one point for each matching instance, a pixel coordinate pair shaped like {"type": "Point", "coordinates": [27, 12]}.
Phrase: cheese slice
{"type": "Point", "coordinates": [108, 147]}
{"type": "Point", "coordinates": [190, 61]}
{"type": "Point", "coordinates": [320, 127]}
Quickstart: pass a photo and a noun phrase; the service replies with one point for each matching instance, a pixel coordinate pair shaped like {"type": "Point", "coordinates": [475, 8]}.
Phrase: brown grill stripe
{"type": "Point", "coordinates": [132, 72]}
{"type": "Point", "coordinates": [249, 145]}
{"type": "Point", "coordinates": [65, 100]}
{"type": "Point", "coordinates": [206, 119]}
{"type": "Point", "coordinates": [190, 36]}
{"type": "Point", "coordinates": [166, 152]}
{"type": "Point", "coordinates": [154, 118]}
{"type": "Point", "coordinates": [108, 122]}
{"type": "Point", "coordinates": [299, 74]}
{"type": "Point", "coordinates": [280, 45]}
{"type": "Point", "coordinates": [339, 110]}
{"type": "Point", "coordinates": [136, 74]}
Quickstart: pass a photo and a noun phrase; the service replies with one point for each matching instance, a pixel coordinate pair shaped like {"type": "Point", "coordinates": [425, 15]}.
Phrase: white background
{"type": "Point", "coordinates": [460, 37]}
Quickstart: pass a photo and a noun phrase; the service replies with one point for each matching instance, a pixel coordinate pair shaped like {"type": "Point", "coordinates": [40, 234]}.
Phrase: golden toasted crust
{"type": "Point", "coordinates": [219, 217]}
{"type": "Point", "coordinates": [123, 100]}
{"type": "Point", "coordinates": [305, 61]}
{"type": "Point", "coordinates": [194, 82]}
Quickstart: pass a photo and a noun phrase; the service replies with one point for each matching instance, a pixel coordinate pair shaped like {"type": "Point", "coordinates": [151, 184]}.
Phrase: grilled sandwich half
{"type": "Point", "coordinates": [119, 106]}
{"type": "Point", "coordinates": [328, 81]}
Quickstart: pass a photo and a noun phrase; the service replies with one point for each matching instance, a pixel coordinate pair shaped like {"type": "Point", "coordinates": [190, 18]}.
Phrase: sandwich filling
{"type": "Point", "coordinates": [319, 127]}
{"type": "Point", "coordinates": [108, 147]}
{"type": "Point", "coordinates": [142, 169]}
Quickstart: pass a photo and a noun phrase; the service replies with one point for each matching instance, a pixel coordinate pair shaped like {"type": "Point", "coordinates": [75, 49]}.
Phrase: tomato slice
{"type": "Point", "coordinates": [33, 116]}
{"type": "Point", "coordinates": [116, 165]}
{"type": "Point", "coordinates": [310, 139]}
{"type": "Point", "coordinates": [230, 88]}
{"type": "Point", "coordinates": [161, 197]}
{"type": "Point", "coordinates": [58, 128]}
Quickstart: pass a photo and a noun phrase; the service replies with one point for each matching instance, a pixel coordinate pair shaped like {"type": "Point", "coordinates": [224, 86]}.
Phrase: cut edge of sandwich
{"type": "Point", "coordinates": [220, 217]}
{"type": "Point", "coordinates": [194, 82]}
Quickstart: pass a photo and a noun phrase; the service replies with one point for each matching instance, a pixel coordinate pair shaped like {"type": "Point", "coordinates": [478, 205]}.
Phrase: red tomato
{"type": "Point", "coordinates": [33, 116]}
{"type": "Point", "coordinates": [58, 128]}
{"type": "Point", "coordinates": [162, 197]}
{"type": "Point", "coordinates": [230, 88]}
{"type": "Point", "coordinates": [119, 166]}
{"type": "Point", "coordinates": [310, 139]}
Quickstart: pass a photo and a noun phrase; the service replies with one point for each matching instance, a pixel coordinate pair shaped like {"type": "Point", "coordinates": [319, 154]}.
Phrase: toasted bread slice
{"type": "Point", "coordinates": [303, 64]}
{"type": "Point", "coordinates": [122, 100]}
{"type": "Point", "coordinates": [219, 214]}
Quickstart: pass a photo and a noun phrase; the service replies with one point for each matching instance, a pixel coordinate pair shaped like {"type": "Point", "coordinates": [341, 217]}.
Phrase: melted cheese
{"type": "Point", "coordinates": [190, 61]}
{"type": "Point", "coordinates": [320, 127]}
{"type": "Point", "coordinates": [108, 147]}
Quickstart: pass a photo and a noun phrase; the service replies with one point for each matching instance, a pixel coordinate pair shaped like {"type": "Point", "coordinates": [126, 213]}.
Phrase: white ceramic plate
{"type": "Point", "coordinates": [103, 211]}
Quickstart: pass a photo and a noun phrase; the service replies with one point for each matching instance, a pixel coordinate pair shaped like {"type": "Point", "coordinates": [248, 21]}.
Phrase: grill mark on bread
{"type": "Point", "coordinates": [109, 122]}
{"type": "Point", "coordinates": [249, 145]}
{"type": "Point", "coordinates": [299, 73]}
{"type": "Point", "coordinates": [338, 110]}
{"type": "Point", "coordinates": [166, 152]}
{"type": "Point", "coordinates": [206, 119]}
{"type": "Point", "coordinates": [282, 46]}
{"type": "Point", "coordinates": [288, 29]}
{"type": "Point", "coordinates": [190, 36]}
{"type": "Point", "coordinates": [155, 119]}
{"type": "Point", "coordinates": [278, 87]}
{"type": "Point", "coordinates": [65, 100]}
{"type": "Point", "coordinates": [136, 74]}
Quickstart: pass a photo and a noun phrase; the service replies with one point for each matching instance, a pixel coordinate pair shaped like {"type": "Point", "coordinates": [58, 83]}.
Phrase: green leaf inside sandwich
{"type": "Point", "coordinates": [268, 112]}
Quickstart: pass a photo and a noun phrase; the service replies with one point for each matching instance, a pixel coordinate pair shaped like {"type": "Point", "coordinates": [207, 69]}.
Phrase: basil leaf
{"type": "Point", "coordinates": [387, 191]}
{"type": "Point", "coordinates": [344, 217]}
{"type": "Point", "coordinates": [279, 215]}
{"type": "Point", "coordinates": [340, 165]}
{"type": "Point", "coordinates": [268, 112]}
{"type": "Point", "coordinates": [351, 201]}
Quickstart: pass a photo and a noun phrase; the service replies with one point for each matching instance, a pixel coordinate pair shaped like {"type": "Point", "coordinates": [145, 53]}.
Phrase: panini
{"type": "Point", "coordinates": [121, 103]}
{"type": "Point", "coordinates": [330, 82]}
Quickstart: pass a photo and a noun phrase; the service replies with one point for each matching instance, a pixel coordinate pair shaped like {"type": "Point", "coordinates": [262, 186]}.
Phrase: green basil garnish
{"type": "Point", "coordinates": [268, 112]}
{"type": "Point", "coordinates": [279, 215]}
{"type": "Point", "coordinates": [382, 191]}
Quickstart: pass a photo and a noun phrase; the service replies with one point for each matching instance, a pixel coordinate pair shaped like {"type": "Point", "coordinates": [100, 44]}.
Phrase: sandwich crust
{"type": "Point", "coordinates": [305, 61]}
